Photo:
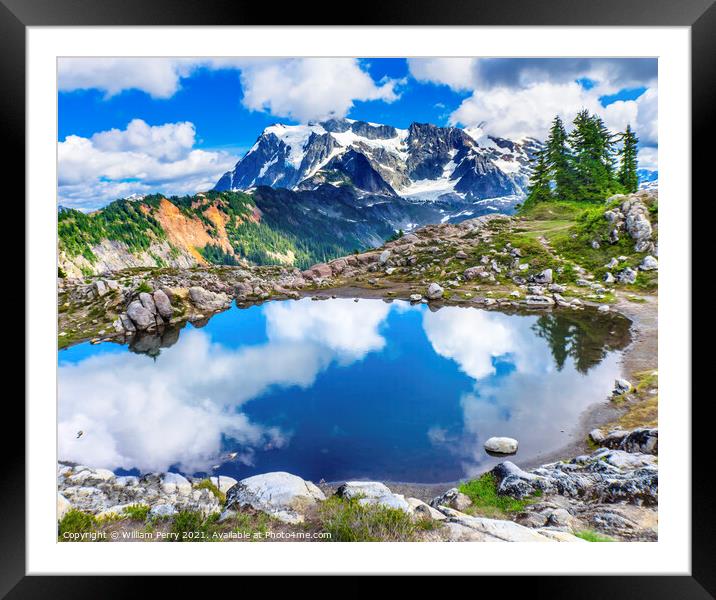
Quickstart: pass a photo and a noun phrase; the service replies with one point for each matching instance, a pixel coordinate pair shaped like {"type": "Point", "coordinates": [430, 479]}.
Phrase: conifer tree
{"type": "Point", "coordinates": [559, 159]}
{"type": "Point", "coordinates": [540, 189]}
{"type": "Point", "coordinates": [627, 175]}
{"type": "Point", "coordinates": [592, 145]}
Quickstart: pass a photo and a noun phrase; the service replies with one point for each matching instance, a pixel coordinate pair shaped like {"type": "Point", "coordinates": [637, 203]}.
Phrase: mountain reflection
{"type": "Point", "coordinates": [412, 393]}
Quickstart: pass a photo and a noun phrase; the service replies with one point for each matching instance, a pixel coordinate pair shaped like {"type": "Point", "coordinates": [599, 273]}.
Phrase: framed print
{"type": "Point", "coordinates": [408, 294]}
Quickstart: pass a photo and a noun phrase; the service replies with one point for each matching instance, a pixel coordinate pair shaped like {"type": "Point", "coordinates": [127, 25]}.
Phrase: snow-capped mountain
{"type": "Point", "coordinates": [421, 163]}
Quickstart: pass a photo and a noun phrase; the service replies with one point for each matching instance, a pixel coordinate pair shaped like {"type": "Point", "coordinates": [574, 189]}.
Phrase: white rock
{"type": "Point", "coordinates": [455, 532]}
{"type": "Point", "coordinates": [506, 531]}
{"type": "Point", "coordinates": [435, 291]}
{"type": "Point", "coordinates": [384, 257]}
{"type": "Point", "coordinates": [628, 275]}
{"type": "Point", "coordinates": [534, 300]}
{"type": "Point", "coordinates": [223, 482]}
{"type": "Point", "coordinates": [373, 492]}
{"type": "Point", "coordinates": [162, 510]}
{"type": "Point", "coordinates": [501, 445]}
{"type": "Point", "coordinates": [604, 308]}
{"type": "Point", "coordinates": [415, 297]}
{"type": "Point", "coordinates": [84, 474]}
{"type": "Point", "coordinates": [126, 481]}
{"type": "Point", "coordinates": [544, 277]}
{"type": "Point", "coordinates": [280, 494]}
{"type": "Point", "coordinates": [424, 510]}
{"type": "Point", "coordinates": [559, 536]}
{"type": "Point", "coordinates": [116, 510]}
{"type": "Point", "coordinates": [596, 435]}
{"type": "Point", "coordinates": [649, 264]}
{"type": "Point", "coordinates": [63, 506]}
{"type": "Point", "coordinates": [396, 501]}
{"type": "Point", "coordinates": [175, 483]}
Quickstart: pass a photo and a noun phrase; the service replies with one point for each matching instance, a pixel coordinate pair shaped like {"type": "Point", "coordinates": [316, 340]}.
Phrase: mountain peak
{"type": "Point", "coordinates": [423, 162]}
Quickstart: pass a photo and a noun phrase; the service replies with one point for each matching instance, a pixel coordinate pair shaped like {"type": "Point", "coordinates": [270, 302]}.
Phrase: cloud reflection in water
{"type": "Point", "coordinates": [184, 409]}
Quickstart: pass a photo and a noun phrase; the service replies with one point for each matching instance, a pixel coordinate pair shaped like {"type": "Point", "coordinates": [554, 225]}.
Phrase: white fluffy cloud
{"type": "Point", "coordinates": [348, 330]}
{"type": "Point", "coordinates": [520, 97]}
{"type": "Point", "coordinates": [523, 112]}
{"type": "Point", "coordinates": [158, 77]}
{"type": "Point", "coordinates": [298, 88]}
{"type": "Point", "coordinates": [305, 89]}
{"type": "Point", "coordinates": [139, 159]}
{"type": "Point", "coordinates": [529, 111]}
{"type": "Point", "coordinates": [457, 73]}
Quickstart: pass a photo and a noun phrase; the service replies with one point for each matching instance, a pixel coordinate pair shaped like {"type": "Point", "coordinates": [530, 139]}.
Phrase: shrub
{"type": "Point", "coordinates": [486, 500]}
{"type": "Point", "coordinates": [350, 521]}
{"type": "Point", "coordinates": [76, 521]}
{"type": "Point", "coordinates": [137, 512]}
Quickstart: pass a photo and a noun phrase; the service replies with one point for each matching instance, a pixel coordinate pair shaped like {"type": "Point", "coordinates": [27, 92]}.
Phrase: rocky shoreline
{"type": "Point", "coordinates": [612, 491]}
{"type": "Point", "coordinates": [470, 263]}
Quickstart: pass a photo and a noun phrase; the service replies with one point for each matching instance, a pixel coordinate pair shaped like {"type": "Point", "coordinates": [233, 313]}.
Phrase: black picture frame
{"type": "Point", "coordinates": [699, 15]}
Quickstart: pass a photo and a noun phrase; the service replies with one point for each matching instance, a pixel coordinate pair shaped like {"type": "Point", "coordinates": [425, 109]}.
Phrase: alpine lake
{"type": "Point", "coordinates": [338, 390]}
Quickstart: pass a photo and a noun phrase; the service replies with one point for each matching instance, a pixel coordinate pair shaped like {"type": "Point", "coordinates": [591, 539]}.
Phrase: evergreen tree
{"type": "Point", "coordinates": [593, 148]}
{"type": "Point", "coordinates": [540, 189]}
{"type": "Point", "coordinates": [627, 175]}
{"type": "Point", "coordinates": [559, 159]}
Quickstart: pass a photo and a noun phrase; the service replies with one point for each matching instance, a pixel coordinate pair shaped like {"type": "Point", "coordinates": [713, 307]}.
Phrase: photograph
{"type": "Point", "coordinates": [358, 299]}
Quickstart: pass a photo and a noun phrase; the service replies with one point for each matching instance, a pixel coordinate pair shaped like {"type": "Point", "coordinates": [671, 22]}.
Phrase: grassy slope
{"type": "Point", "coordinates": [261, 241]}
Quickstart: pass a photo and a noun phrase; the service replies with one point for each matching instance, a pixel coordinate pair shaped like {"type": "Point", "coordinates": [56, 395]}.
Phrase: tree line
{"type": "Point", "coordinates": [588, 164]}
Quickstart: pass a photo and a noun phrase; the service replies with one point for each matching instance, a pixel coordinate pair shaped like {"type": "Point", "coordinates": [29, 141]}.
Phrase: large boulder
{"type": "Point", "coordinates": [649, 264]}
{"type": "Point", "coordinates": [627, 276]}
{"type": "Point", "coordinates": [608, 476]}
{"type": "Point", "coordinates": [338, 266]}
{"type": "Point", "coordinates": [544, 277]}
{"type": "Point", "coordinates": [501, 445]}
{"type": "Point", "coordinates": [539, 301]}
{"type": "Point", "coordinates": [63, 506]}
{"type": "Point", "coordinates": [319, 271]}
{"type": "Point", "coordinates": [472, 272]}
{"type": "Point", "coordinates": [140, 316]}
{"type": "Point", "coordinates": [495, 530]}
{"type": "Point", "coordinates": [148, 302]}
{"type": "Point", "coordinates": [163, 305]}
{"type": "Point", "coordinates": [637, 222]}
{"type": "Point", "coordinates": [207, 300]}
{"type": "Point", "coordinates": [453, 498]}
{"type": "Point", "coordinates": [373, 492]}
{"type": "Point", "coordinates": [173, 483]}
{"type": "Point", "coordinates": [100, 288]}
{"type": "Point", "coordinates": [421, 509]}
{"type": "Point", "coordinates": [643, 440]}
{"type": "Point", "coordinates": [223, 482]}
{"type": "Point", "coordinates": [281, 495]}
{"type": "Point", "coordinates": [435, 291]}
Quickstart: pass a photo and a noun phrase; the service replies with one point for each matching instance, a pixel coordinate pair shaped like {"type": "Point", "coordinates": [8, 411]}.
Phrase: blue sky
{"type": "Point", "coordinates": [175, 125]}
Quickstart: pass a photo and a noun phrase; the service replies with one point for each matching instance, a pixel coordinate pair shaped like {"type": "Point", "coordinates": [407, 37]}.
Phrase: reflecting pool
{"type": "Point", "coordinates": [336, 390]}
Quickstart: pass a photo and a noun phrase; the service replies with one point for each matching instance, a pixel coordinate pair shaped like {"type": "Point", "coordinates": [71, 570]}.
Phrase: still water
{"type": "Point", "coordinates": [337, 390]}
